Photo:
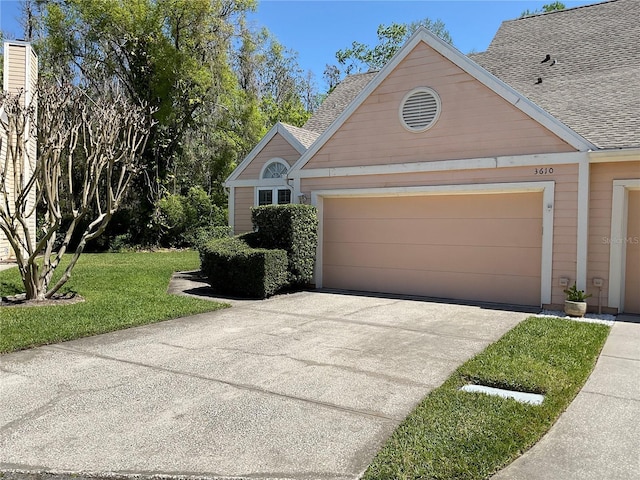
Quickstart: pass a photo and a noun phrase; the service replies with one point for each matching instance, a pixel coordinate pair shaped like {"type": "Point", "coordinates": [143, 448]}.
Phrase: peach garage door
{"type": "Point", "coordinates": [478, 247]}
{"type": "Point", "coordinates": [632, 268]}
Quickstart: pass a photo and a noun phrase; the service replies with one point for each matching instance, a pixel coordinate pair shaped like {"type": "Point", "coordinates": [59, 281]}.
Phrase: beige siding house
{"type": "Point", "coordinates": [502, 177]}
{"type": "Point", "coordinates": [20, 74]}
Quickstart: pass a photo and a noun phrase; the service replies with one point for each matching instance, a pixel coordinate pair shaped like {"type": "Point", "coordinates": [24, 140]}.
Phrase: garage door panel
{"type": "Point", "coordinates": [437, 258]}
{"type": "Point", "coordinates": [434, 206]}
{"type": "Point", "coordinates": [484, 247]}
{"type": "Point", "coordinates": [460, 286]}
{"type": "Point", "coordinates": [447, 231]}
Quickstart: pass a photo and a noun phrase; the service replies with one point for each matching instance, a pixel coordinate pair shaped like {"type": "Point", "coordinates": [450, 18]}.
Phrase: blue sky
{"type": "Point", "coordinates": [316, 29]}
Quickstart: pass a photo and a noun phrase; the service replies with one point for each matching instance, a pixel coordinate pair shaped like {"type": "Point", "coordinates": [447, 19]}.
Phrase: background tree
{"type": "Point", "coordinates": [270, 72]}
{"type": "Point", "coordinates": [210, 85]}
{"type": "Point", "coordinates": [170, 56]}
{"type": "Point", "coordinates": [361, 57]}
{"type": "Point", "coordinates": [88, 148]}
{"type": "Point", "coordinates": [548, 7]}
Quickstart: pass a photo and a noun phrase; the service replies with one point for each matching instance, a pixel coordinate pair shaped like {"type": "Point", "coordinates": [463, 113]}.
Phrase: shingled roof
{"type": "Point", "coordinates": [592, 80]}
{"type": "Point", "coordinates": [337, 101]}
{"type": "Point", "coordinates": [305, 137]}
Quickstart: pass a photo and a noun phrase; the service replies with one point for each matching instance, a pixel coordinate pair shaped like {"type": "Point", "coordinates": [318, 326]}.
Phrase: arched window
{"type": "Point", "coordinates": [275, 169]}
{"type": "Point", "coordinates": [274, 193]}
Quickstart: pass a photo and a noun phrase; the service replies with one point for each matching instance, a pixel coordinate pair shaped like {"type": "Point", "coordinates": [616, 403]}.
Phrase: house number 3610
{"type": "Point", "coordinates": [544, 171]}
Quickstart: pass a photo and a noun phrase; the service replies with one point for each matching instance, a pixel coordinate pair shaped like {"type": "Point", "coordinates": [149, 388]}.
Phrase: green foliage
{"type": "Point", "coordinates": [186, 218]}
{"type": "Point", "coordinates": [201, 235]}
{"type": "Point", "coordinates": [390, 40]}
{"type": "Point", "coordinates": [280, 254]}
{"type": "Point", "coordinates": [548, 7]}
{"type": "Point", "coordinates": [293, 228]}
{"type": "Point", "coordinates": [174, 58]}
{"type": "Point", "coordinates": [121, 243]}
{"type": "Point", "coordinates": [454, 435]}
{"type": "Point", "coordinates": [575, 295]}
{"type": "Point", "coordinates": [234, 268]}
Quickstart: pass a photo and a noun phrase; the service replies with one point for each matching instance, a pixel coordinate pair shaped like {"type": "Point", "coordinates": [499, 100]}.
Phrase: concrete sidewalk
{"type": "Point", "coordinates": [598, 437]}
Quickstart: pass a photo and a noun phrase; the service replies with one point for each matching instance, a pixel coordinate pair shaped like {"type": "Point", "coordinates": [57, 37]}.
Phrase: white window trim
{"type": "Point", "coordinates": [617, 250]}
{"type": "Point", "coordinates": [269, 162]}
{"type": "Point", "coordinates": [548, 192]}
{"type": "Point", "coordinates": [274, 194]}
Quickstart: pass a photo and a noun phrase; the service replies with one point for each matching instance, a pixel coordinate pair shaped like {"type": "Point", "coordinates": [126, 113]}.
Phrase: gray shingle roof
{"type": "Point", "coordinates": [594, 88]}
{"type": "Point", "coordinates": [304, 136]}
{"type": "Point", "coordinates": [337, 101]}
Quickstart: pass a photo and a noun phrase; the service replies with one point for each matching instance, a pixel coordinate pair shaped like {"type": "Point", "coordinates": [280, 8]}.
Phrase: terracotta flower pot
{"type": "Point", "coordinates": [575, 309]}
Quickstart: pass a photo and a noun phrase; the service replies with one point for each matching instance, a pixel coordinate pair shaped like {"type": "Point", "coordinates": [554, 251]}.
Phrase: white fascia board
{"type": "Point", "coordinates": [471, 188]}
{"type": "Point", "coordinates": [446, 165]}
{"type": "Point", "coordinates": [256, 182]}
{"type": "Point", "coordinates": [615, 155]}
{"type": "Point", "coordinates": [472, 68]}
{"type": "Point", "coordinates": [278, 128]}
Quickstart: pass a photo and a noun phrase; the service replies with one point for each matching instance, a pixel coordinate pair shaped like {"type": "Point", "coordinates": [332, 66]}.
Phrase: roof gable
{"type": "Point", "coordinates": [497, 86]}
{"type": "Point", "coordinates": [293, 135]}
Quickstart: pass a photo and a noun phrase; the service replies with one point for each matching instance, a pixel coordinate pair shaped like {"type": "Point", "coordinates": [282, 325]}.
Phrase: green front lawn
{"type": "Point", "coordinates": [459, 435]}
{"type": "Point", "coordinates": [121, 290]}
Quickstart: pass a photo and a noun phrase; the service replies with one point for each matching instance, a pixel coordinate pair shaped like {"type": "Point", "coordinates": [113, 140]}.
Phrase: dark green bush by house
{"type": "Point", "coordinates": [185, 220]}
{"type": "Point", "coordinates": [293, 228]}
{"type": "Point", "coordinates": [234, 268]}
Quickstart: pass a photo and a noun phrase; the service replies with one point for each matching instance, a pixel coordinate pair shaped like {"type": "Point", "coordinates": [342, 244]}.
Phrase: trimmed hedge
{"type": "Point", "coordinates": [293, 228]}
{"type": "Point", "coordinates": [234, 268]}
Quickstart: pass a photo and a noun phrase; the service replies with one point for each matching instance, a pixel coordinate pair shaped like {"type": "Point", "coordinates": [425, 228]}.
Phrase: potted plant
{"type": "Point", "coordinates": [574, 304]}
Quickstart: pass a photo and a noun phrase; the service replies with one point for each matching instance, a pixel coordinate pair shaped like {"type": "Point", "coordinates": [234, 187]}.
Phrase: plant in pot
{"type": "Point", "coordinates": [575, 304]}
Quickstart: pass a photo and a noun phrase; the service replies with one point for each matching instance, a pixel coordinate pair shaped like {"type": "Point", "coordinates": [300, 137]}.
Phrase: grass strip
{"type": "Point", "coordinates": [458, 435]}
{"type": "Point", "coordinates": [121, 290]}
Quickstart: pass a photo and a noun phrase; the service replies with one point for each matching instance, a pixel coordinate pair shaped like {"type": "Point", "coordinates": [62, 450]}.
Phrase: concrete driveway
{"type": "Point", "coordinates": [304, 386]}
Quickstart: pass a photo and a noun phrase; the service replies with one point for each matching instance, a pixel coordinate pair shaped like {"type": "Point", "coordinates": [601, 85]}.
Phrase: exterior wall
{"type": "Point", "coordinates": [20, 74]}
{"type": "Point", "coordinates": [243, 202]}
{"type": "Point", "coordinates": [278, 147]}
{"type": "Point", "coordinates": [474, 122]}
{"type": "Point", "coordinates": [600, 198]}
{"type": "Point", "coordinates": [565, 207]}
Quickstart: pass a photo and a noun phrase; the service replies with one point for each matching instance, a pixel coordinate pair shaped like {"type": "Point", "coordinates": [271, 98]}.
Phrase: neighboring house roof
{"type": "Point", "coordinates": [594, 85]}
{"type": "Point", "coordinates": [337, 101]}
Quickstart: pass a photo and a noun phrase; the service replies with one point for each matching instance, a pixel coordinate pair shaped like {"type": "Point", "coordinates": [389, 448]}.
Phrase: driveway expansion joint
{"type": "Point", "coordinates": [239, 386]}
{"type": "Point", "coordinates": [312, 363]}
{"type": "Point", "coordinates": [316, 318]}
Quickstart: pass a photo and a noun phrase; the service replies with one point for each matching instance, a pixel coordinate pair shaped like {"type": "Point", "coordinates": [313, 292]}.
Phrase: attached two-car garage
{"type": "Point", "coordinates": [479, 246]}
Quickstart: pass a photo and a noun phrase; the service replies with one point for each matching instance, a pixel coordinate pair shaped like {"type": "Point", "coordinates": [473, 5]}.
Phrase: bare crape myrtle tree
{"type": "Point", "coordinates": [88, 151]}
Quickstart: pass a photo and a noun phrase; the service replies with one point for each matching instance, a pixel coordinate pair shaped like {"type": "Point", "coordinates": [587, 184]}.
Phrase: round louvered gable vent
{"type": "Point", "coordinates": [420, 109]}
